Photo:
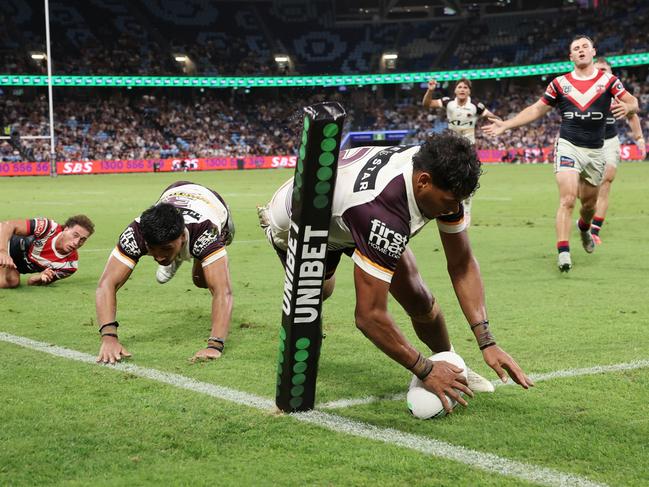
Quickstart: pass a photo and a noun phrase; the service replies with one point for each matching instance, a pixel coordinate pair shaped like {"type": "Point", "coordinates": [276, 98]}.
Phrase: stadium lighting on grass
{"type": "Point", "coordinates": [624, 60]}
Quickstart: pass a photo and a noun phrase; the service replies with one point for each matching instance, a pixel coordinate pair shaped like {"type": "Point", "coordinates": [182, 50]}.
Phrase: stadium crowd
{"type": "Point", "coordinates": [128, 125]}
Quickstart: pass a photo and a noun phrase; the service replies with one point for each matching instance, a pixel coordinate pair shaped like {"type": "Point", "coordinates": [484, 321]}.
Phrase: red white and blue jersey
{"type": "Point", "coordinates": [585, 105]}
{"type": "Point", "coordinates": [37, 251]}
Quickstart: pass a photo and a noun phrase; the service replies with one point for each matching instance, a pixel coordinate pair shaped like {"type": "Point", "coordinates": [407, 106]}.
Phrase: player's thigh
{"type": "Point", "coordinates": [409, 288]}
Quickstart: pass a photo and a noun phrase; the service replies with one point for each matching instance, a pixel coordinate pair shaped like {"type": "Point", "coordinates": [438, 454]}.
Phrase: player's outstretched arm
{"type": "Point", "coordinates": [217, 279]}
{"type": "Point", "coordinates": [48, 276]}
{"type": "Point", "coordinates": [465, 275]}
{"type": "Point", "coordinates": [373, 319]}
{"type": "Point", "coordinates": [636, 132]}
{"type": "Point", "coordinates": [7, 230]}
{"type": "Point", "coordinates": [114, 276]}
{"type": "Point", "coordinates": [528, 115]}
{"type": "Point", "coordinates": [428, 101]}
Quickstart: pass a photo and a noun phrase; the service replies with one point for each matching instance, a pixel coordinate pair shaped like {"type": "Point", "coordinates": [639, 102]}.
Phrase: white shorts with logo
{"type": "Point", "coordinates": [589, 163]}
{"type": "Point", "coordinates": [612, 151]}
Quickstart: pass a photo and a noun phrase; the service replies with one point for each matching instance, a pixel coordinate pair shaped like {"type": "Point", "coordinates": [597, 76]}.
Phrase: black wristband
{"type": "Point", "coordinates": [114, 323]}
{"type": "Point", "coordinates": [114, 335]}
{"type": "Point", "coordinates": [422, 367]}
{"type": "Point", "coordinates": [485, 338]}
{"type": "Point", "coordinates": [217, 340]}
{"type": "Point", "coordinates": [216, 347]}
{"type": "Point", "coordinates": [483, 322]}
{"type": "Point", "coordinates": [487, 345]}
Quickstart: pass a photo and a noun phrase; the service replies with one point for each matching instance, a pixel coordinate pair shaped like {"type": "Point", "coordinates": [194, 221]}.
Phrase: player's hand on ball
{"type": "Point", "coordinates": [503, 364]}
{"type": "Point", "coordinates": [432, 84]}
{"type": "Point", "coordinates": [446, 380]}
{"type": "Point", "coordinates": [111, 351]}
{"type": "Point", "coordinates": [206, 354]}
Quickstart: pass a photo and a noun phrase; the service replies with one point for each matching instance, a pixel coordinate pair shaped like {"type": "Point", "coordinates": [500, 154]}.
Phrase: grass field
{"type": "Point", "coordinates": [68, 422]}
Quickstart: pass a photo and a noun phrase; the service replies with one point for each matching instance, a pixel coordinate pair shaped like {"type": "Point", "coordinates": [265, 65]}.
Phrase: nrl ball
{"type": "Point", "coordinates": [422, 403]}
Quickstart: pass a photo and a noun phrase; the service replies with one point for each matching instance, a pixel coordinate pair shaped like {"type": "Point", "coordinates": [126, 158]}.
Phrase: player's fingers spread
{"type": "Point", "coordinates": [126, 353]}
{"type": "Point", "coordinates": [446, 403]}
{"type": "Point", "coordinates": [463, 388]}
{"type": "Point", "coordinates": [452, 393]}
{"type": "Point", "coordinates": [501, 373]}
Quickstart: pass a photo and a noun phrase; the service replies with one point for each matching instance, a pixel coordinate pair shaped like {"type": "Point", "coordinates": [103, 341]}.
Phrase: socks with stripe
{"type": "Point", "coordinates": [596, 225]}
{"type": "Point", "coordinates": [563, 246]}
{"type": "Point", "coordinates": [583, 226]}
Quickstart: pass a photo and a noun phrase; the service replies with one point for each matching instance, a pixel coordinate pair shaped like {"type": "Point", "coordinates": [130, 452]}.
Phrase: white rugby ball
{"type": "Point", "coordinates": [424, 404]}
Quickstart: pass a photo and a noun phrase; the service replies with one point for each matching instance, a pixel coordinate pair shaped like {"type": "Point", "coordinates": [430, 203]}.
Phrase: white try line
{"type": "Point", "coordinates": [484, 461]}
{"type": "Point", "coordinates": [559, 374]}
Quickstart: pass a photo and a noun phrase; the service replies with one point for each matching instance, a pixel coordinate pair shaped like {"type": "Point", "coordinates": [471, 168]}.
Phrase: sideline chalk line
{"type": "Point", "coordinates": [484, 461]}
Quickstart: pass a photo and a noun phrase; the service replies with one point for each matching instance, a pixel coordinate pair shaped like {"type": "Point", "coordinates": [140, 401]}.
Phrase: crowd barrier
{"type": "Point", "coordinates": [628, 152]}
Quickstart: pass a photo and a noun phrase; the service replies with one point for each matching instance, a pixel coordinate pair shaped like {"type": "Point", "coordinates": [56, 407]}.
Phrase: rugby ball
{"type": "Point", "coordinates": [424, 404]}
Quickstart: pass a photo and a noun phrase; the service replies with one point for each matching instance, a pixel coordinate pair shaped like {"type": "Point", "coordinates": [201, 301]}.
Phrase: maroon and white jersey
{"type": "Point", "coordinates": [374, 213]}
{"type": "Point", "coordinates": [207, 226]}
{"type": "Point", "coordinates": [585, 104]}
{"type": "Point", "coordinates": [462, 119]}
{"type": "Point", "coordinates": [37, 251]}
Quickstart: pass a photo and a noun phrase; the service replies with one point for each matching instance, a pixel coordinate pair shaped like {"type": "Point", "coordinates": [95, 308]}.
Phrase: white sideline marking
{"type": "Point", "coordinates": [483, 461]}
{"type": "Point", "coordinates": [558, 374]}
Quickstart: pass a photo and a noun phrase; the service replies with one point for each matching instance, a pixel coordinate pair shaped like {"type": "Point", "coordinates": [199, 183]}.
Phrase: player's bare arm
{"type": "Point", "coordinates": [625, 105]}
{"type": "Point", "coordinates": [636, 133]}
{"type": "Point", "coordinates": [217, 280]}
{"type": "Point", "coordinates": [490, 115]}
{"type": "Point", "coordinates": [373, 319]}
{"type": "Point", "coordinates": [114, 276]}
{"type": "Point", "coordinates": [528, 115]}
{"type": "Point", "coordinates": [428, 101]}
{"type": "Point", "coordinates": [7, 229]}
{"type": "Point", "coordinates": [464, 272]}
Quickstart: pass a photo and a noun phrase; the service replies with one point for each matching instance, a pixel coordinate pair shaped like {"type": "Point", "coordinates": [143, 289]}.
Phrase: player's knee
{"type": "Point", "coordinates": [199, 280]}
{"type": "Point", "coordinates": [10, 281]}
{"type": "Point", "coordinates": [568, 201]}
{"type": "Point", "coordinates": [422, 304]}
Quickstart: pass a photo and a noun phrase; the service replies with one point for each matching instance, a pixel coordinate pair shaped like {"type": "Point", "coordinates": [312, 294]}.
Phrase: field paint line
{"type": "Point", "coordinates": [484, 461]}
{"type": "Point", "coordinates": [220, 392]}
{"type": "Point", "coordinates": [557, 374]}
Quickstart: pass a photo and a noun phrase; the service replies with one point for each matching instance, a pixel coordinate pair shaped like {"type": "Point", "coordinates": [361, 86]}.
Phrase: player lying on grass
{"type": "Point", "coordinates": [383, 197]}
{"type": "Point", "coordinates": [188, 222]}
{"type": "Point", "coordinates": [41, 247]}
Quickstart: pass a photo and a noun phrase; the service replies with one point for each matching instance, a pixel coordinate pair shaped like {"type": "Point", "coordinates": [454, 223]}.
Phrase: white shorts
{"type": "Point", "coordinates": [589, 163]}
{"type": "Point", "coordinates": [612, 151]}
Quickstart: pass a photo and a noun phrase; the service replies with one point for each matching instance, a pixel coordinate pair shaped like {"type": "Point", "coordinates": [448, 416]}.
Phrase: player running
{"type": "Point", "coordinates": [188, 222]}
{"type": "Point", "coordinates": [612, 155]}
{"type": "Point", "coordinates": [462, 113]}
{"type": "Point", "coordinates": [584, 97]}
{"type": "Point", "coordinates": [41, 247]}
{"type": "Point", "coordinates": [383, 197]}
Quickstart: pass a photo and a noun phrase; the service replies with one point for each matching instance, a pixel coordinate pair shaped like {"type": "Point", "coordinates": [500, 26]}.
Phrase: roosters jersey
{"type": "Point", "coordinates": [463, 118]}
{"type": "Point", "coordinates": [374, 212]}
{"type": "Point", "coordinates": [208, 226]}
{"type": "Point", "coordinates": [37, 251]}
{"type": "Point", "coordinates": [584, 104]}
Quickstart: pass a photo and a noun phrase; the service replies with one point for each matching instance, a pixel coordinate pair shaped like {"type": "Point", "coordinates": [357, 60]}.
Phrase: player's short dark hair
{"type": "Point", "coordinates": [83, 221]}
{"type": "Point", "coordinates": [581, 36]}
{"type": "Point", "coordinates": [161, 224]}
{"type": "Point", "coordinates": [466, 81]}
{"type": "Point", "coordinates": [452, 162]}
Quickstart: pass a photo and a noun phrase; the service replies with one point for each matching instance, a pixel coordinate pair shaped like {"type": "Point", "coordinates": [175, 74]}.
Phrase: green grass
{"type": "Point", "coordinates": [67, 423]}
